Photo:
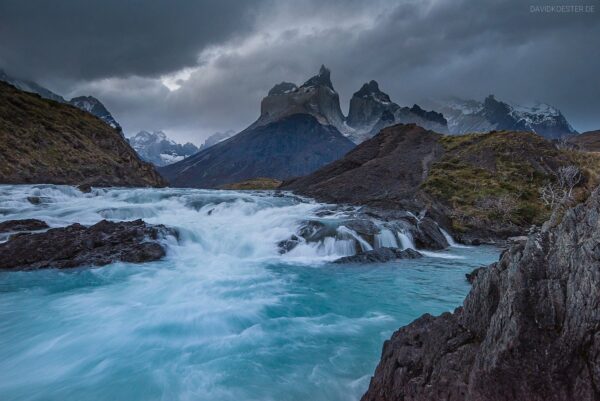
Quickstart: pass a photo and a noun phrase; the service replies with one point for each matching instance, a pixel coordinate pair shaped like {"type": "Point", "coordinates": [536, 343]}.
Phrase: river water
{"type": "Point", "coordinates": [224, 316]}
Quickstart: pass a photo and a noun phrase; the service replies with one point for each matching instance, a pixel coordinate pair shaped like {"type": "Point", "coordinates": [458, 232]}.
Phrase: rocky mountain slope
{"type": "Point", "coordinates": [372, 110]}
{"type": "Point", "coordinates": [482, 187]}
{"type": "Point", "coordinates": [291, 146]}
{"type": "Point", "coordinates": [156, 148]}
{"type": "Point", "coordinates": [315, 97]}
{"type": "Point", "coordinates": [528, 330]}
{"type": "Point", "coordinates": [95, 107]}
{"type": "Point", "coordinates": [43, 141]}
{"type": "Point", "coordinates": [466, 116]}
{"type": "Point", "coordinates": [86, 103]}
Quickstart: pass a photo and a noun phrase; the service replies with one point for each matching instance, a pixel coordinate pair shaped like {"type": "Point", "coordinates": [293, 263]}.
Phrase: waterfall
{"type": "Point", "coordinates": [364, 245]}
{"type": "Point", "coordinates": [386, 238]}
{"type": "Point", "coordinates": [450, 240]}
{"type": "Point", "coordinates": [406, 240]}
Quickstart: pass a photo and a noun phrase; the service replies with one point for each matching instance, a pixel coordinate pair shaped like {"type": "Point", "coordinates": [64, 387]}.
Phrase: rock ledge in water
{"type": "Point", "coordinates": [528, 330]}
{"type": "Point", "coordinates": [22, 225]}
{"type": "Point", "coordinates": [76, 245]}
{"type": "Point", "coordinates": [380, 255]}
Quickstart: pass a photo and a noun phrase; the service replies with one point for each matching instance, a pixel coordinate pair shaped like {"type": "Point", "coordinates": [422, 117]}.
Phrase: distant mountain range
{"type": "Point", "coordinates": [466, 116]}
{"type": "Point", "coordinates": [158, 149]}
{"type": "Point", "coordinates": [85, 103]}
{"type": "Point", "coordinates": [216, 138]}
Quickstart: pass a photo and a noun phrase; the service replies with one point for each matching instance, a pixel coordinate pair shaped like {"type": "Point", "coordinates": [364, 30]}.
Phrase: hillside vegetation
{"type": "Point", "coordinates": [43, 141]}
{"type": "Point", "coordinates": [492, 181]}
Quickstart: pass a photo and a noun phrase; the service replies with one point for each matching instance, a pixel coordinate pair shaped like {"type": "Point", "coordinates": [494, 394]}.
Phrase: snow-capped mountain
{"type": "Point", "coordinates": [473, 116]}
{"type": "Point", "coordinates": [372, 110]}
{"type": "Point", "coordinates": [158, 149]}
{"type": "Point", "coordinates": [85, 103]}
{"type": "Point", "coordinates": [95, 107]}
{"type": "Point", "coordinates": [216, 138]}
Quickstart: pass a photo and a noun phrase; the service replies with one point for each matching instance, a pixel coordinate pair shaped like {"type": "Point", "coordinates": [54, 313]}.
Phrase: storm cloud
{"type": "Point", "coordinates": [195, 67]}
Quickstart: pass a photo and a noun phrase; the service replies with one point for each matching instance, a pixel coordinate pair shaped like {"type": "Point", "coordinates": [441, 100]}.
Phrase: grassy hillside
{"type": "Point", "coordinates": [43, 141]}
{"type": "Point", "coordinates": [492, 181]}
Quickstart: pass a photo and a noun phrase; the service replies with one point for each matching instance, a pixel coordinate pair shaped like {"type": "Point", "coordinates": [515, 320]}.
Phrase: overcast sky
{"type": "Point", "coordinates": [192, 68]}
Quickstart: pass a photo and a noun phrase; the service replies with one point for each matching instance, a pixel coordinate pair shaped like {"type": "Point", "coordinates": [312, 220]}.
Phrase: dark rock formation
{"type": "Point", "coordinates": [76, 245]}
{"type": "Point", "coordinates": [386, 171]}
{"type": "Point", "coordinates": [528, 330]}
{"type": "Point", "coordinates": [315, 97]}
{"type": "Point", "coordinates": [371, 110]}
{"type": "Point", "coordinates": [43, 141]}
{"type": "Point", "coordinates": [22, 225]}
{"type": "Point", "coordinates": [380, 255]}
{"type": "Point", "coordinates": [292, 146]}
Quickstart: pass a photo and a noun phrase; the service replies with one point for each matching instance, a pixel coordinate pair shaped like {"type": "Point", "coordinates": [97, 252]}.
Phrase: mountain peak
{"type": "Point", "coordinates": [283, 88]}
{"type": "Point", "coordinates": [371, 89]}
{"type": "Point", "coordinates": [323, 78]}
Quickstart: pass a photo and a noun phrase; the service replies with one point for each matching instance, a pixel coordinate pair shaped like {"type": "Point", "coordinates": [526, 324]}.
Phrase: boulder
{"type": "Point", "coordinates": [380, 255]}
{"type": "Point", "coordinates": [22, 225]}
{"type": "Point", "coordinates": [76, 245]}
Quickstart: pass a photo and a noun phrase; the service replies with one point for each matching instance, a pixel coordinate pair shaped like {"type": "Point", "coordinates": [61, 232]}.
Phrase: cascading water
{"type": "Point", "coordinates": [224, 315]}
{"type": "Point", "coordinates": [406, 240]}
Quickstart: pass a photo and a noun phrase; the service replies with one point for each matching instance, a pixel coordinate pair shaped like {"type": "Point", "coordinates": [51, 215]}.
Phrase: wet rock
{"type": "Point", "coordinates": [380, 255]}
{"type": "Point", "coordinates": [429, 236]}
{"type": "Point", "coordinates": [288, 244]}
{"type": "Point", "coordinates": [528, 330]}
{"type": "Point", "coordinates": [34, 200]}
{"type": "Point", "coordinates": [76, 245]}
{"type": "Point", "coordinates": [22, 225]}
{"type": "Point", "coordinates": [473, 275]}
{"type": "Point", "coordinates": [85, 188]}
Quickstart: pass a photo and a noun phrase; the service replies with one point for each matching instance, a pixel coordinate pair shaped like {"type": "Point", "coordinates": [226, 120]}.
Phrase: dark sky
{"type": "Point", "coordinates": [193, 67]}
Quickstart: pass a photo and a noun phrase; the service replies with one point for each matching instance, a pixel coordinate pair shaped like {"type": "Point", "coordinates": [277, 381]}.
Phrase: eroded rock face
{"type": "Point", "coordinates": [76, 245]}
{"type": "Point", "coordinates": [315, 97]}
{"type": "Point", "coordinates": [528, 330]}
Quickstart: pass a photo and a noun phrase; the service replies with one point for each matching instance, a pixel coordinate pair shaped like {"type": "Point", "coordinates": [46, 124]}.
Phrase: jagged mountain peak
{"type": "Point", "coordinates": [283, 88]}
{"type": "Point", "coordinates": [323, 78]}
{"type": "Point", "coordinates": [371, 89]}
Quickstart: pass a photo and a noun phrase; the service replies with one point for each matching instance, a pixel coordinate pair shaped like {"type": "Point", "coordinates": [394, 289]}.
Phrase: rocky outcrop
{"type": "Point", "coordinates": [76, 245]}
{"type": "Point", "coordinates": [371, 110]}
{"type": "Point", "coordinates": [528, 330]}
{"type": "Point", "coordinates": [291, 146]}
{"type": "Point", "coordinates": [315, 97]}
{"type": "Point", "coordinates": [483, 188]}
{"type": "Point", "coordinates": [22, 225]}
{"type": "Point", "coordinates": [380, 255]}
{"type": "Point", "coordinates": [43, 141]}
{"type": "Point", "coordinates": [386, 171]}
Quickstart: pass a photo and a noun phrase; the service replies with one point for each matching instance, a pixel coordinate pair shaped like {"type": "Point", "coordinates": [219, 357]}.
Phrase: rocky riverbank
{"type": "Point", "coordinates": [528, 330]}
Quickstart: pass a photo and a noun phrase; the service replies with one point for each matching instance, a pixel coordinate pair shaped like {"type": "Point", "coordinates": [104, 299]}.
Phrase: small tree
{"type": "Point", "coordinates": [558, 192]}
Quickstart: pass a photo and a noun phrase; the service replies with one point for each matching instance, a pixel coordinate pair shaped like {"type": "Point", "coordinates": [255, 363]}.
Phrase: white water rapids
{"type": "Point", "coordinates": [224, 316]}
